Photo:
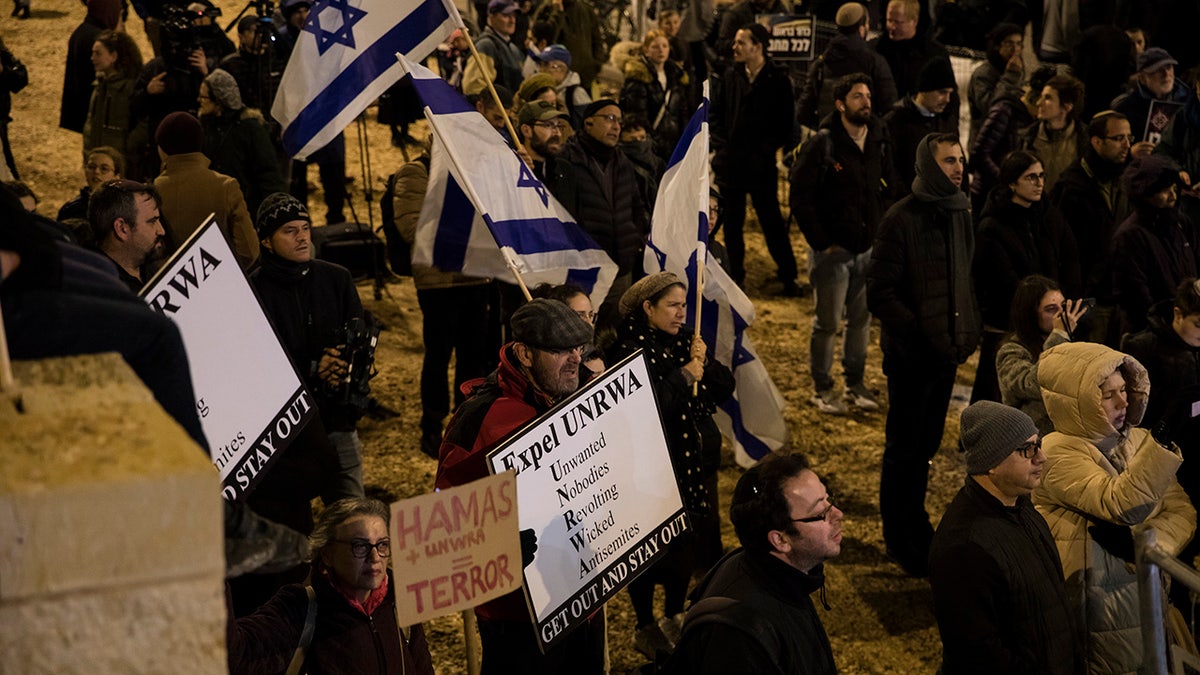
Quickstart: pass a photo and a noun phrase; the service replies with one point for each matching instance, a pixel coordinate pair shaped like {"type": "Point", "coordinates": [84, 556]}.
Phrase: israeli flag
{"type": "Point", "coordinates": [753, 418]}
{"type": "Point", "coordinates": [345, 59]}
{"type": "Point", "coordinates": [485, 213]}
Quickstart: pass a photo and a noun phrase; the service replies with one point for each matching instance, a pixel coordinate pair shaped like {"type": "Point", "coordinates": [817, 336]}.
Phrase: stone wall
{"type": "Point", "coordinates": [111, 556]}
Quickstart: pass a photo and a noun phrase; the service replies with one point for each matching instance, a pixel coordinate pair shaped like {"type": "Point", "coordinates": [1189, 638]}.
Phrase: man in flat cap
{"type": "Point", "coordinates": [538, 368]}
{"type": "Point", "coordinates": [998, 591]}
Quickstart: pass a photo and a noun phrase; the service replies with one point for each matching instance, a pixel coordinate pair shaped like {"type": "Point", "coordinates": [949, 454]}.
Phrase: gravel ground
{"type": "Point", "coordinates": [880, 622]}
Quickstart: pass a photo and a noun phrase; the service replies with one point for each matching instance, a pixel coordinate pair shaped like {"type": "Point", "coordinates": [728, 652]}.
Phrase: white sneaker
{"type": "Point", "coordinates": [827, 402]}
{"type": "Point", "coordinates": [860, 397]}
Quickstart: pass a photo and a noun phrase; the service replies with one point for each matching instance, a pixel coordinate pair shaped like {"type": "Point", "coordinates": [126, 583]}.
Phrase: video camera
{"type": "Point", "coordinates": [181, 36]}
{"type": "Point", "coordinates": [358, 339]}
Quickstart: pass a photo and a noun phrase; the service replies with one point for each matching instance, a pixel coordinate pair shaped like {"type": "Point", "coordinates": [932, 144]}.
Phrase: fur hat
{"type": "Point", "coordinates": [277, 210]}
{"type": "Point", "coordinates": [549, 325]}
{"type": "Point", "coordinates": [224, 90]}
{"type": "Point", "coordinates": [644, 289]}
{"type": "Point", "coordinates": [179, 133]}
{"type": "Point", "coordinates": [989, 432]}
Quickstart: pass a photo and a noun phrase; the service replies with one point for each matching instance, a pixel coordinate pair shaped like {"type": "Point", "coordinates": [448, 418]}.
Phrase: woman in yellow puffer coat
{"type": "Point", "coordinates": [1104, 480]}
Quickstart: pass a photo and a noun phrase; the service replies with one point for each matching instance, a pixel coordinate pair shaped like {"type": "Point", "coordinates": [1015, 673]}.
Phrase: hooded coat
{"type": "Point", "coordinates": [1098, 474]}
{"type": "Point", "coordinates": [919, 278]}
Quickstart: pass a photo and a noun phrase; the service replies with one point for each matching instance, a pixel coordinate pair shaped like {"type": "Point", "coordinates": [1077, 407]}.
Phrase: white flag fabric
{"type": "Point", "coordinates": [484, 208]}
{"type": "Point", "coordinates": [753, 418]}
{"type": "Point", "coordinates": [345, 59]}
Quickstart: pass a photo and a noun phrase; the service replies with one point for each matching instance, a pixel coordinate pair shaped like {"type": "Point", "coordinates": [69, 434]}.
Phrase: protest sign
{"type": "Point", "coordinates": [792, 36]}
{"type": "Point", "coordinates": [250, 400]}
{"type": "Point", "coordinates": [595, 484]}
{"type": "Point", "coordinates": [455, 548]}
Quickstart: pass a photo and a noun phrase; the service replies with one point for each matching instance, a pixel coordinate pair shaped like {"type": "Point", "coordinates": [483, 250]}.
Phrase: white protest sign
{"type": "Point", "coordinates": [595, 483]}
{"type": "Point", "coordinates": [455, 548]}
{"type": "Point", "coordinates": [251, 402]}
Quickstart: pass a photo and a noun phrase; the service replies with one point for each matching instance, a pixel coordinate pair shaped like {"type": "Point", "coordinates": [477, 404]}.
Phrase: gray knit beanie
{"type": "Point", "coordinates": [224, 89]}
{"type": "Point", "coordinates": [991, 431]}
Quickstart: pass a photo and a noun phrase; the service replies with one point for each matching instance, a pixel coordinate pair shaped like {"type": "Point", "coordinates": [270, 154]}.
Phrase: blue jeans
{"type": "Point", "coordinates": [839, 281]}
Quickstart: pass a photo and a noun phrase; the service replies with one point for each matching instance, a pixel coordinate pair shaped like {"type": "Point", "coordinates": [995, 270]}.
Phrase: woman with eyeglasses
{"type": "Point", "coordinates": [1104, 481]}
{"type": "Point", "coordinates": [1040, 318]}
{"type": "Point", "coordinates": [1017, 237]}
{"type": "Point", "coordinates": [351, 594]}
{"type": "Point", "coordinates": [653, 312]}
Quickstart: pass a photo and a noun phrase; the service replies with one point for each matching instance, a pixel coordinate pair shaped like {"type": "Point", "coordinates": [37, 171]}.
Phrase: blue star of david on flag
{"type": "Point", "coordinates": [343, 35]}
{"type": "Point", "coordinates": [525, 178]}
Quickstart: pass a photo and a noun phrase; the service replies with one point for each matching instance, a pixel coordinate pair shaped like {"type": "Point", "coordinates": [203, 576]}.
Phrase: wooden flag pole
{"type": "Point", "coordinates": [516, 139]}
{"type": "Point", "coordinates": [471, 635]}
{"type": "Point", "coordinates": [7, 382]}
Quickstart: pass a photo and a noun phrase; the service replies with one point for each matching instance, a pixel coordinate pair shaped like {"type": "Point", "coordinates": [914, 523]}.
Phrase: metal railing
{"type": "Point", "coordinates": [1150, 559]}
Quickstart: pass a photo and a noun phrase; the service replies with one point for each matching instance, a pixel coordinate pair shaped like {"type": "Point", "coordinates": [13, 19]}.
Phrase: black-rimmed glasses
{"type": "Point", "coordinates": [361, 548]}
{"type": "Point", "coordinates": [1030, 450]}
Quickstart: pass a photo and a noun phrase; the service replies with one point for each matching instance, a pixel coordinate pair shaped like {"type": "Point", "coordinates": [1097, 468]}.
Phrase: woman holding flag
{"type": "Point", "coordinates": [689, 386]}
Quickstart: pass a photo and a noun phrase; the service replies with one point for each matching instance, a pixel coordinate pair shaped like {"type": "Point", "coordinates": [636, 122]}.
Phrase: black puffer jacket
{"type": "Point", "coordinates": [906, 58]}
{"type": "Point", "coordinates": [839, 198]}
{"type": "Point", "coordinates": [1015, 241]}
{"type": "Point", "coordinates": [603, 196]}
{"type": "Point", "coordinates": [910, 285]}
{"type": "Point", "coordinates": [998, 590]}
{"type": "Point", "coordinates": [643, 95]}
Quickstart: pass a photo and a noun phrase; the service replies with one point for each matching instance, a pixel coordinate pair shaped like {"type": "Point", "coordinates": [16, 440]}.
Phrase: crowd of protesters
{"type": "Point", "coordinates": [1064, 226]}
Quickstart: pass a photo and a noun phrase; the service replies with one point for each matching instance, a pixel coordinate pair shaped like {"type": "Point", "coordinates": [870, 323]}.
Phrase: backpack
{"type": "Point", "coordinates": [399, 251]}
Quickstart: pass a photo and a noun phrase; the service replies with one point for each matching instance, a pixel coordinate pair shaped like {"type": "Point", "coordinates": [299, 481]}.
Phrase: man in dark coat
{"type": "Point", "coordinates": [1158, 246]}
{"type": "Point", "coordinates": [1154, 99]}
{"type": "Point", "coordinates": [539, 368]}
{"type": "Point", "coordinates": [842, 182]}
{"type": "Point", "coordinates": [919, 286]}
{"type": "Point", "coordinates": [751, 121]}
{"type": "Point", "coordinates": [1091, 200]}
{"type": "Point", "coordinates": [925, 112]}
{"type": "Point", "coordinates": [847, 53]}
{"type": "Point", "coordinates": [907, 46]}
{"type": "Point", "coordinates": [310, 303]}
{"type": "Point", "coordinates": [998, 591]}
{"type": "Point", "coordinates": [598, 185]}
{"type": "Point", "coordinates": [753, 613]}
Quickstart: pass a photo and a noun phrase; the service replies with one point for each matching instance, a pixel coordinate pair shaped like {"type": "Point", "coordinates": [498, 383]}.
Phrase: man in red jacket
{"type": "Point", "coordinates": [537, 369]}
